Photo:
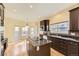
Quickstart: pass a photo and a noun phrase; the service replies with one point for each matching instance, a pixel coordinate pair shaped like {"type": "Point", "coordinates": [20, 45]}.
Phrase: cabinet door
{"type": "Point", "coordinates": [78, 22]}
{"type": "Point", "coordinates": [74, 19]}
{"type": "Point", "coordinates": [56, 43]}
{"type": "Point", "coordinates": [63, 46]}
{"type": "Point", "coordinates": [44, 24]}
{"type": "Point", "coordinates": [53, 44]}
{"type": "Point", "coordinates": [72, 49]}
{"type": "Point", "coordinates": [1, 16]}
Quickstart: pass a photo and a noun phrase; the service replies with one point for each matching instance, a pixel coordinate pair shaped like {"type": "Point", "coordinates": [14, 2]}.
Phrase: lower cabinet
{"type": "Point", "coordinates": [73, 49]}
{"type": "Point", "coordinates": [66, 47]}
{"type": "Point", "coordinates": [62, 46]}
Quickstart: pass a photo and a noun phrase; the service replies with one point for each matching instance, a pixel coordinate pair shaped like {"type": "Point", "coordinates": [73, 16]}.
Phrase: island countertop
{"type": "Point", "coordinates": [36, 43]}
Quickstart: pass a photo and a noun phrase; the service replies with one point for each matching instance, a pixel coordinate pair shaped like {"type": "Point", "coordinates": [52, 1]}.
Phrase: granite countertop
{"type": "Point", "coordinates": [36, 43]}
{"type": "Point", "coordinates": [65, 38]}
{"type": "Point", "coordinates": [75, 36]}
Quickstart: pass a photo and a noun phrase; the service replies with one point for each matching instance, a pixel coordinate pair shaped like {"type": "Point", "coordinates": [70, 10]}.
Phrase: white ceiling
{"type": "Point", "coordinates": [23, 10]}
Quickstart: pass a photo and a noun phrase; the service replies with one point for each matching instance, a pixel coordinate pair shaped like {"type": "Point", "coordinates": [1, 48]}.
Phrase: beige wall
{"type": "Point", "coordinates": [9, 27]}
{"type": "Point", "coordinates": [35, 24]}
{"type": "Point", "coordinates": [62, 15]}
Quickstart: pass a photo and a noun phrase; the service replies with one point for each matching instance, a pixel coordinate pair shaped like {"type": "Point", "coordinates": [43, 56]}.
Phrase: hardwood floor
{"type": "Point", "coordinates": [20, 49]}
{"type": "Point", "coordinates": [55, 53]}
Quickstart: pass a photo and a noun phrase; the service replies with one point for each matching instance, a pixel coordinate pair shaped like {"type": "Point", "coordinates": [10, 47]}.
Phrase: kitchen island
{"type": "Point", "coordinates": [38, 47]}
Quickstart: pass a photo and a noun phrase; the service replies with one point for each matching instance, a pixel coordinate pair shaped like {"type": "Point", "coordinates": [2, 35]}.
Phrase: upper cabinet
{"type": "Point", "coordinates": [44, 25]}
{"type": "Point", "coordinates": [74, 20]}
{"type": "Point", "coordinates": [1, 14]}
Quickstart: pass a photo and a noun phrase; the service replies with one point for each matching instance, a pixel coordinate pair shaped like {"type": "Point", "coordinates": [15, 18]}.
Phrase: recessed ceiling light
{"type": "Point", "coordinates": [14, 10]}
{"type": "Point", "coordinates": [31, 6]}
{"type": "Point", "coordinates": [39, 16]}
{"type": "Point", "coordinates": [6, 10]}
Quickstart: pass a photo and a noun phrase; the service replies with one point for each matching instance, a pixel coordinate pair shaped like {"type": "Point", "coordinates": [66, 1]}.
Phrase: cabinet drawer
{"type": "Point", "coordinates": [72, 43]}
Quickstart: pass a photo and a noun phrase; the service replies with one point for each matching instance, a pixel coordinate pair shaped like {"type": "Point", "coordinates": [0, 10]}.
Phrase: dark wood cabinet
{"type": "Point", "coordinates": [74, 20]}
{"type": "Point", "coordinates": [73, 49]}
{"type": "Point", "coordinates": [62, 46]}
{"type": "Point", "coordinates": [1, 14]}
{"type": "Point", "coordinates": [44, 25]}
{"type": "Point", "coordinates": [66, 47]}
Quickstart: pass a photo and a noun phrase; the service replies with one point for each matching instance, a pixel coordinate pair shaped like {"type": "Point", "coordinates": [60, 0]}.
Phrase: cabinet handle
{"type": "Point", "coordinates": [71, 43]}
{"type": "Point", "coordinates": [37, 48]}
{"type": "Point", "coordinates": [27, 42]}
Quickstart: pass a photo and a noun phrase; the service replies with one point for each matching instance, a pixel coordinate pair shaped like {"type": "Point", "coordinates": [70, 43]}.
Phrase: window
{"type": "Point", "coordinates": [61, 27]}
